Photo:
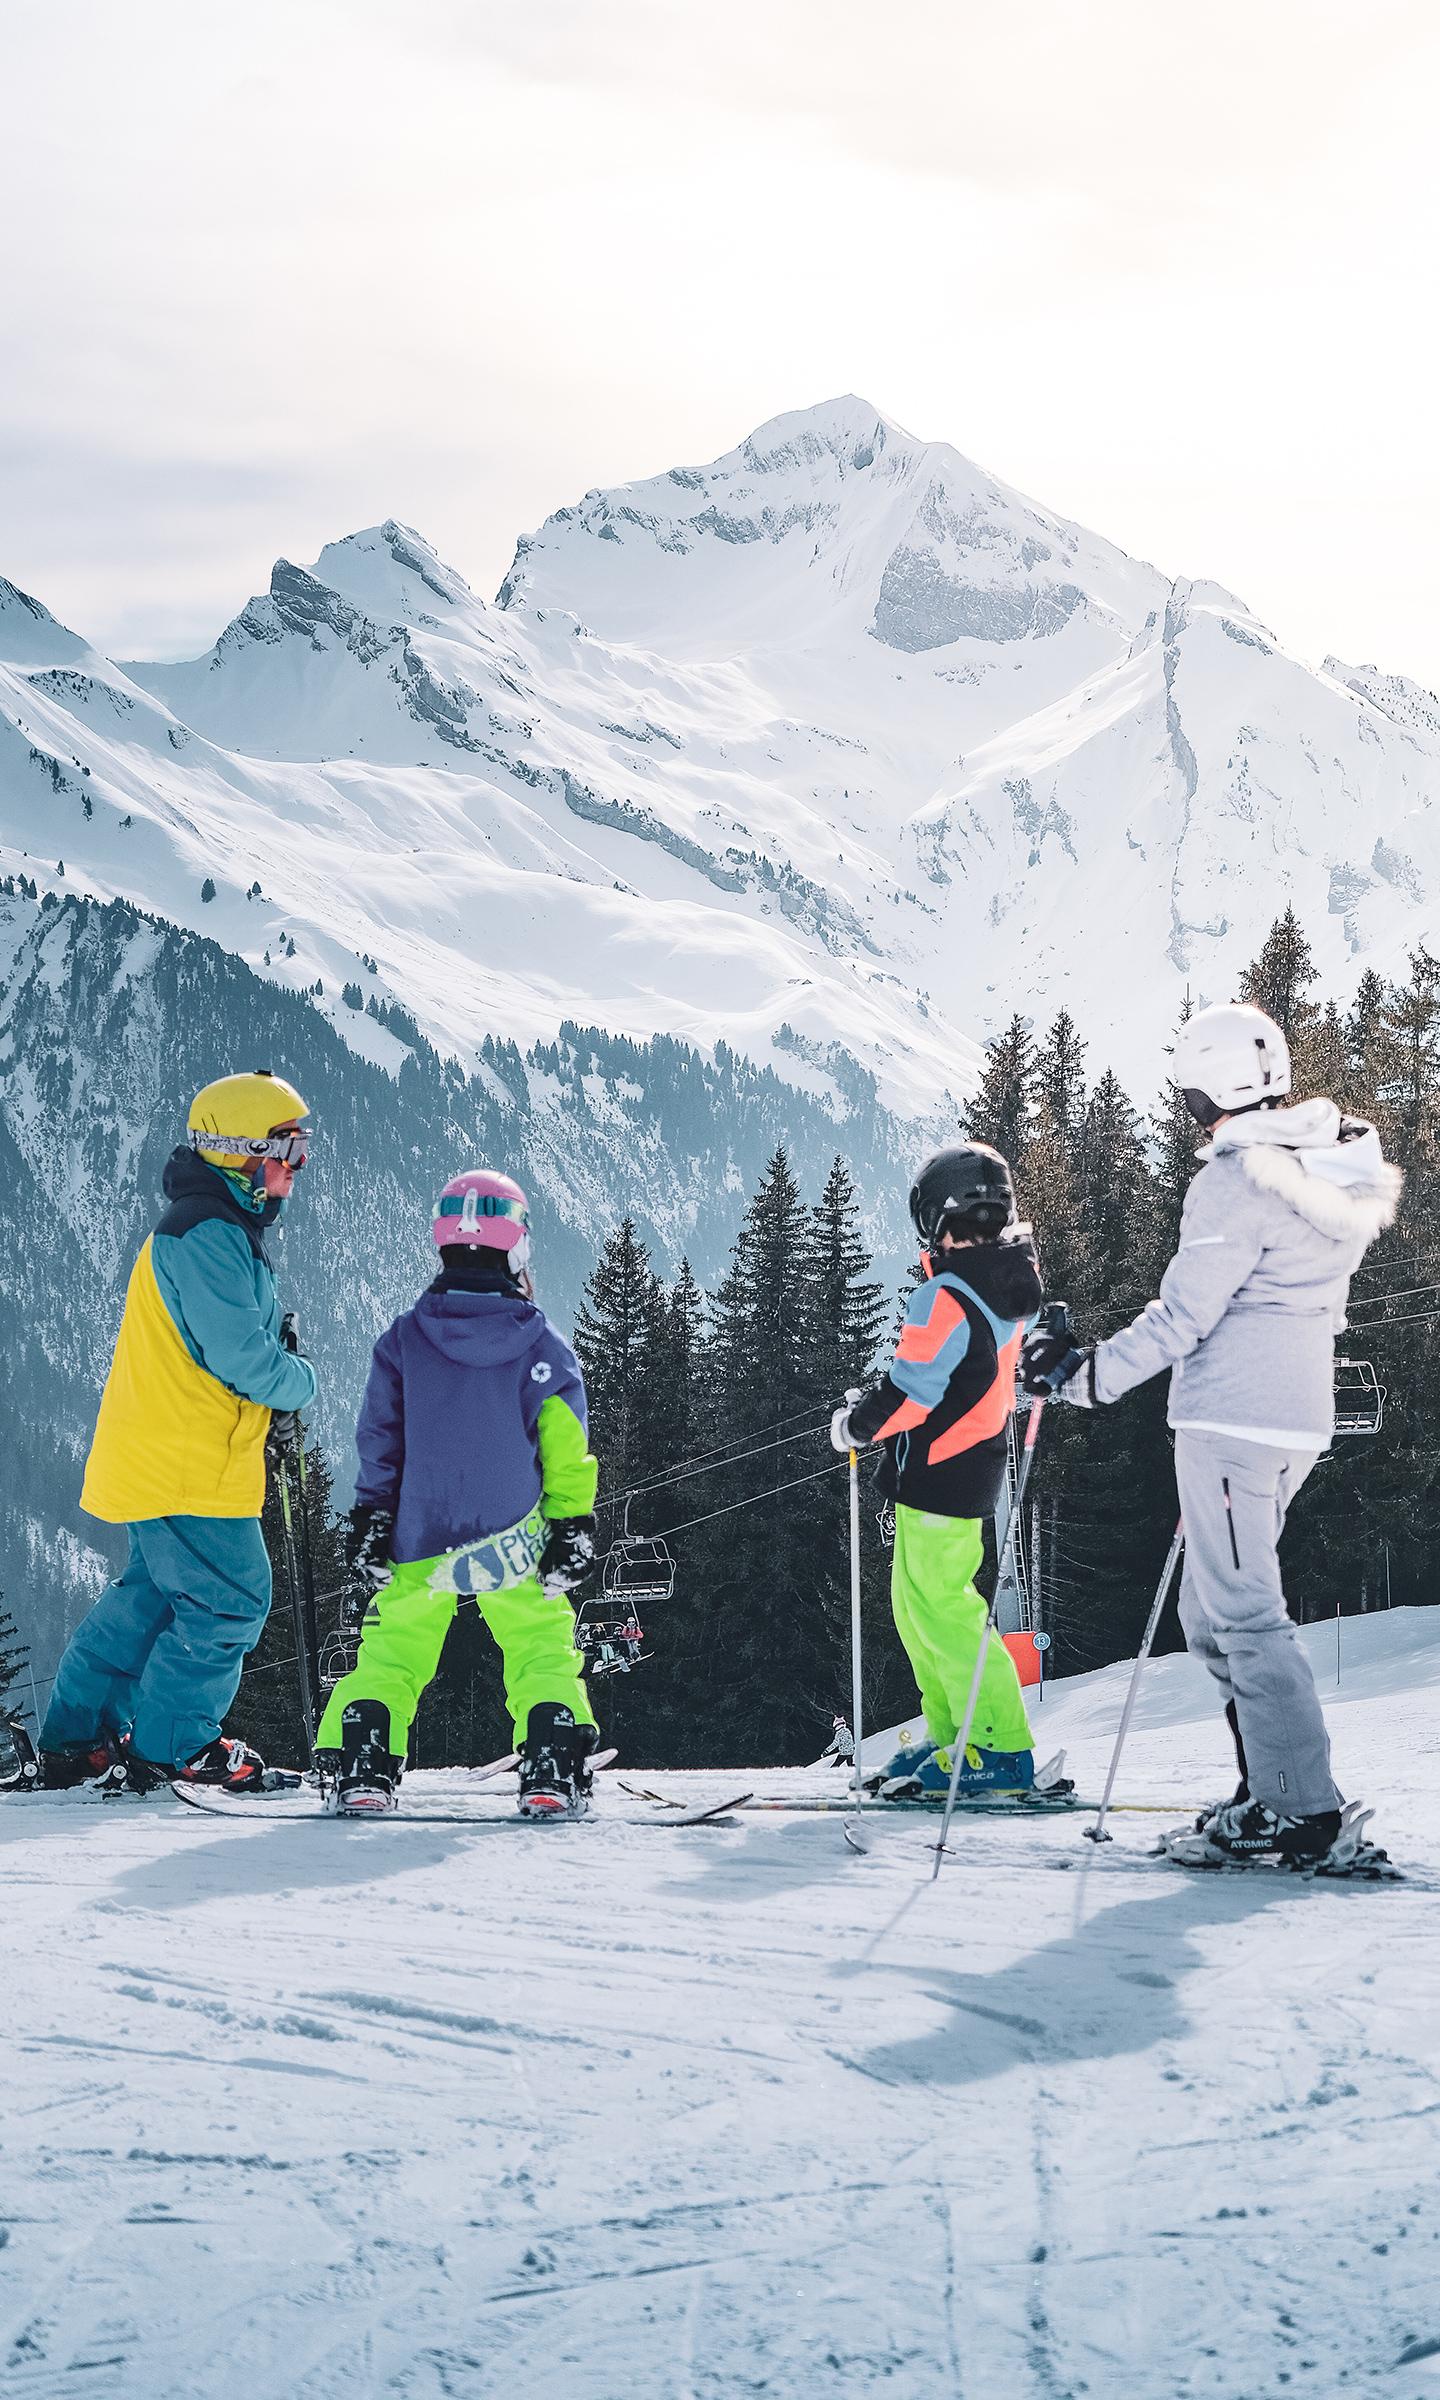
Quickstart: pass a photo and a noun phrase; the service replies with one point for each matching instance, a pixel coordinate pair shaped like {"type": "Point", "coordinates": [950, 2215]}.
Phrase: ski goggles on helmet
{"type": "Point", "coordinates": [291, 1145]}
{"type": "Point", "coordinates": [472, 1205]}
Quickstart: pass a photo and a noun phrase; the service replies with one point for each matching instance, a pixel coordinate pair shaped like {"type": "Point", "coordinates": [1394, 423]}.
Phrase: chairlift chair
{"type": "Point", "coordinates": [638, 1570]}
{"type": "Point", "coordinates": [1359, 1397]}
{"type": "Point", "coordinates": [610, 1637]}
{"type": "Point", "coordinates": [339, 1653]}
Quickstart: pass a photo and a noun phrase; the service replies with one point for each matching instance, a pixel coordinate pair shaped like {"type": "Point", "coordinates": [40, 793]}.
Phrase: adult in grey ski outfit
{"type": "Point", "coordinates": [1285, 1205]}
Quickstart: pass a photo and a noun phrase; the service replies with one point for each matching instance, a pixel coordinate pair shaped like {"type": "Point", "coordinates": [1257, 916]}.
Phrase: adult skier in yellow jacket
{"type": "Point", "coordinates": [179, 1458]}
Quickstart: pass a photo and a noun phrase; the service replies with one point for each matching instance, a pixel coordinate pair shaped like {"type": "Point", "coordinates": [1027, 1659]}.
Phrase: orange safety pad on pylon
{"type": "Point", "coordinates": [1027, 1658]}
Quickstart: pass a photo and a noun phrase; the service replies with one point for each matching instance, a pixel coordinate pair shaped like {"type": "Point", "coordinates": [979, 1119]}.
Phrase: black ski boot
{"type": "Point", "coordinates": [19, 1759]}
{"type": "Point", "coordinates": [1245, 1833]}
{"type": "Point", "coordinates": [100, 1763]}
{"type": "Point", "coordinates": [369, 1778]}
{"type": "Point", "coordinates": [229, 1765]}
{"type": "Point", "coordinates": [555, 1778]}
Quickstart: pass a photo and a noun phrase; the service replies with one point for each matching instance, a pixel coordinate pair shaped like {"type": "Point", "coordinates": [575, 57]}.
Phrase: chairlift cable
{"type": "Point", "coordinates": [755, 1499]}
{"type": "Point", "coordinates": [712, 1462]}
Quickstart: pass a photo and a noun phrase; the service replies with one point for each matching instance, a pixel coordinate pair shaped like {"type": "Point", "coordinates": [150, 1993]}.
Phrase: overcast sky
{"type": "Point", "coordinates": [274, 269]}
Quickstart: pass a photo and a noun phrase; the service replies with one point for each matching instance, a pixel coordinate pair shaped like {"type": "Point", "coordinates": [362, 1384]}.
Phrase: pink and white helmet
{"type": "Point", "coordinates": [481, 1210]}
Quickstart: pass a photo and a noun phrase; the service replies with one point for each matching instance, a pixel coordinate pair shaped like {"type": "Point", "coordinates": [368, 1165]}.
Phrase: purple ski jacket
{"type": "Point", "coordinates": [473, 1415]}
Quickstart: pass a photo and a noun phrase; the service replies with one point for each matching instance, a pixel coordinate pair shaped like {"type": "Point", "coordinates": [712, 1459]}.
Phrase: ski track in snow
{"type": "Point", "coordinates": [304, 2110]}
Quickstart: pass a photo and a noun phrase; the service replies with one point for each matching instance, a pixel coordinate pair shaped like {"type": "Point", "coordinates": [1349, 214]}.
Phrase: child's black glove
{"type": "Point", "coordinates": [568, 1559]}
{"type": "Point", "coordinates": [1054, 1366]}
{"type": "Point", "coordinates": [367, 1544]}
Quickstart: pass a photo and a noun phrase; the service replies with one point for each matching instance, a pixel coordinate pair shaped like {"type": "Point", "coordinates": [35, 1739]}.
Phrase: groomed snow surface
{"type": "Point", "coordinates": [302, 2110]}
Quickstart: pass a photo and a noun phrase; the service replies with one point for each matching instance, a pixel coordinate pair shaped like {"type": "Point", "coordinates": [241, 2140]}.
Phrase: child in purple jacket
{"type": "Point", "coordinates": [476, 1482]}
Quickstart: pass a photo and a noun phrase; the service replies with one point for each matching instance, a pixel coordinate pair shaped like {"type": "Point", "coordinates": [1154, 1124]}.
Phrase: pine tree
{"type": "Point", "coordinates": [13, 1652]}
{"type": "Point", "coordinates": [847, 1313]}
{"type": "Point", "coordinates": [651, 1713]}
{"type": "Point", "coordinates": [614, 1331]}
{"type": "Point", "coordinates": [1280, 981]}
{"type": "Point", "coordinates": [1053, 1187]}
{"type": "Point", "coordinates": [1002, 1110]}
{"type": "Point", "coordinates": [770, 1593]}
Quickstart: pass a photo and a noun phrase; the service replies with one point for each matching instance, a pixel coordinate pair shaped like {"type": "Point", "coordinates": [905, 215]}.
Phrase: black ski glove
{"type": "Point", "coordinates": [283, 1438]}
{"type": "Point", "coordinates": [1054, 1366]}
{"type": "Point", "coordinates": [367, 1544]}
{"type": "Point", "coordinates": [567, 1560]}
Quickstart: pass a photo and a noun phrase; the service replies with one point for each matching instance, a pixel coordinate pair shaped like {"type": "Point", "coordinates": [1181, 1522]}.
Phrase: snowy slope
{"type": "Point", "coordinates": [690, 2115]}
{"type": "Point", "coordinates": [837, 747]}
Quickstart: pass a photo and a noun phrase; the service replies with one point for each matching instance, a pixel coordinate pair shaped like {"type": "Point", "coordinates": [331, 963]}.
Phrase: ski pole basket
{"type": "Point", "coordinates": [1359, 1397]}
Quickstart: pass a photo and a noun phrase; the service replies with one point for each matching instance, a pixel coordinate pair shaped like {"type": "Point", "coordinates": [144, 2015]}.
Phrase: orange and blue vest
{"type": "Point", "coordinates": [943, 1408]}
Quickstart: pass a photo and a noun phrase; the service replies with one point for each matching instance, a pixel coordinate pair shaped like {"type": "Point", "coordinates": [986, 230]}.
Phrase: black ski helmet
{"type": "Point", "coordinates": [965, 1190]}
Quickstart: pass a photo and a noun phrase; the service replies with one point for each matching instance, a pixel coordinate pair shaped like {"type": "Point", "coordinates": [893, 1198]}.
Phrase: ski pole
{"type": "Point", "coordinates": [857, 1704]}
{"type": "Point", "coordinates": [1096, 1832]}
{"type": "Point", "coordinates": [297, 1606]}
{"type": "Point", "coordinates": [307, 1566]}
{"type": "Point", "coordinates": [307, 1623]}
{"type": "Point", "coordinates": [1027, 1460]}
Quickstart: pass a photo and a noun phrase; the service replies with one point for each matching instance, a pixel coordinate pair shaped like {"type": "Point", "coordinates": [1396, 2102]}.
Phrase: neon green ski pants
{"type": "Point", "coordinates": [404, 1633]}
{"type": "Point", "coordinates": [940, 1618]}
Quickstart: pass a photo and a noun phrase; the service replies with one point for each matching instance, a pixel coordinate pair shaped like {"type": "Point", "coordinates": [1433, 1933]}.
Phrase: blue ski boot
{"type": "Point", "coordinates": [1000, 1771]}
{"type": "Point", "coordinates": [903, 1767]}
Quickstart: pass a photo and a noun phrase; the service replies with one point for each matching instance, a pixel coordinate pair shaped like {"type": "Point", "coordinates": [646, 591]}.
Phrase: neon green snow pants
{"type": "Point", "coordinates": [404, 1633]}
{"type": "Point", "coordinates": [940, 1618]}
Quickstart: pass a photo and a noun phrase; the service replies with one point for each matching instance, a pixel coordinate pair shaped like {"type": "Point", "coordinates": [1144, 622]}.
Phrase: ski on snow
{"type": "Point", "coordinates": [302, 1808]}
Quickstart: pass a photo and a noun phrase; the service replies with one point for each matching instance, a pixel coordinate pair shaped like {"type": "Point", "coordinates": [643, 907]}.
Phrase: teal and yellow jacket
{"type": "Point", "coordinates": [198, 1365]}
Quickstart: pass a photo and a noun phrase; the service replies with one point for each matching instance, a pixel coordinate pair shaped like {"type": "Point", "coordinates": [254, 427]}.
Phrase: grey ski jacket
{"type": "Point", "coordinates": [1274, 1226]}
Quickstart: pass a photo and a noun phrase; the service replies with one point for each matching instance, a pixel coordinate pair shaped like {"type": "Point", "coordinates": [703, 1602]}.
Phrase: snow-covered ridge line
{"type": "Point", "coordinates": [836, 746]}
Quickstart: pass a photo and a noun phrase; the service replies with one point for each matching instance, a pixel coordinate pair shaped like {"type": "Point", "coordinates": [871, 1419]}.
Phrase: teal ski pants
{"type": "Point", "coordinates": [159, 1656]}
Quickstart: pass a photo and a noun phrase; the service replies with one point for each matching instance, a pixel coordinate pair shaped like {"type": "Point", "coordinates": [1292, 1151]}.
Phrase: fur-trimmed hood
{"type": "Point", "coordinates": [1330, 1169]}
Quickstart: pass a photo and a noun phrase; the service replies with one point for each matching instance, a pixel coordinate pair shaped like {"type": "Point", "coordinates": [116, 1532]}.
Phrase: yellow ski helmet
{"type": "Point", "coordinates": [233, 1121]}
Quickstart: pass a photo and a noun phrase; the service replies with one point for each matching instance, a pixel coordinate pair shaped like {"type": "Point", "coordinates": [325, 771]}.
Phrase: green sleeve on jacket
{"type": "Point", "coordinates": [568, 1469]}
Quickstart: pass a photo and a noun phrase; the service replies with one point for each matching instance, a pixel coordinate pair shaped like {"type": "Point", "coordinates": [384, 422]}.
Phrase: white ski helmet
{"type": "Point", "coordinates": [1230, 1058]}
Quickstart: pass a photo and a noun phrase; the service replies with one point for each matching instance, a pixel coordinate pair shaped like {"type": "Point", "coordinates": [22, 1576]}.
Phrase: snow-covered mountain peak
{"type": "Point", "coordinates": [314, 667]}
{"type": "Point", "coordinates": [29, 635]}
{"type": "Point", "coordinates": [827, 520]}
{"type": "Point", "coordinates": [393, 574]}
{"type": "Point", "coordinates": [837, 746]}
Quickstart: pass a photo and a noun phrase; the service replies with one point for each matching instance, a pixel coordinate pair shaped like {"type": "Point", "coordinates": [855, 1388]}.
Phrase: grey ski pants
{"type": "Point", "coordinates": [1233, 1498]}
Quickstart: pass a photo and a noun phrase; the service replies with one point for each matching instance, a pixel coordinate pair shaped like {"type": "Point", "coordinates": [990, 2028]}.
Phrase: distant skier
{"type": "Point", "coordinates": [1285, 1205]}
{"type": "Point", "coordinates": [476, 1482]}
{"type": "Point", "coordinates": [942, 1412]}
{"type": "Point", "coordinates": [179, 1458]}
{"type": "Point", "coordinates": [840, 1751]}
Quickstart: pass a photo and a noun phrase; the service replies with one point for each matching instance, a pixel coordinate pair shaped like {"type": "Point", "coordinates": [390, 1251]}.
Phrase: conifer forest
{"type": "Point", "coordinates": [710, 1410]}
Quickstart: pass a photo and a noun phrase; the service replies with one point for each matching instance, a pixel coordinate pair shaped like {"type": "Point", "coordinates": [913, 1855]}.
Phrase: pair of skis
{"type": "Point", "coordinates": [299, 1808]}
{"type": "Point", "coordinates": [287, 1800]}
